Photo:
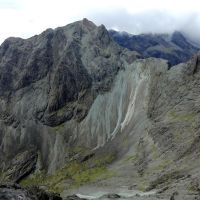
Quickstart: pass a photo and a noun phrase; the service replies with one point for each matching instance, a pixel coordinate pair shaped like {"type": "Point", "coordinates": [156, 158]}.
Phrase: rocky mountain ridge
{"type": "Point", "coordinates": [50, 79]}
{"type": "Point", "coordinates": [175, 47]}
{"type": "Point", "coordinates": [76, 108]}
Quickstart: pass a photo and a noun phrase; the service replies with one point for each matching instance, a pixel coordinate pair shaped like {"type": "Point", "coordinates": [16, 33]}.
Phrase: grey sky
{"type": "Point", "coordinates": [25, 18]}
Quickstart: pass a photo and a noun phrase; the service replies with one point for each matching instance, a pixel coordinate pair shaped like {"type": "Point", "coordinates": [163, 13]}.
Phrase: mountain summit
{"type": "Point", "coordinates": [67, 67]}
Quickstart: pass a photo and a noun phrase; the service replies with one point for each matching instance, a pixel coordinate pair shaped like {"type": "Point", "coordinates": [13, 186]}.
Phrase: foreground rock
{"type": "Point", "coordinates": [110, 196]}
{"type": "Point", "coordinates": [73, 197]}
{"type": "Point", "coordinates": [15, 192]}
{"type": "Point", "coordinates": [20, 166]}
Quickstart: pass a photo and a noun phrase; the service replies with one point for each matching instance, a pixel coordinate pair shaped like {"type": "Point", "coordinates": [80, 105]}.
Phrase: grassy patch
{"type": "Point", "coordinates": [1, 176]}
{"type": "Point", "coordinates": [143, 185]}
{"type": "Point", "coordinates": [75, 172]}
{"type": "Point", "coordinates": [59, 127]}
{"type": "Point", "coordinates": [182, 116]}
{"type": "Point", "coordinates": [92, 174]}
{"type": "Point", "coordinates": [103, 160]}
{"type": "Point", "coordinates": [131, 158]}
{"type": "Point", "coordinates": [34, 179]}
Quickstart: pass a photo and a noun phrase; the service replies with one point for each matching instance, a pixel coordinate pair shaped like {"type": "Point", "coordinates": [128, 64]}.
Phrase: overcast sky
{"type": "Point", "coordinates": [25, 18]}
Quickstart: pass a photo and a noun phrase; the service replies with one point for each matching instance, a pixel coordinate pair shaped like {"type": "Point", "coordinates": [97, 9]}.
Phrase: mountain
{"type": "Point", "coordinates": [173, 47]}
{"type": "Point", "coordinates": [50, 79]}
{"type": "Point", "coordinates": [82, 115]}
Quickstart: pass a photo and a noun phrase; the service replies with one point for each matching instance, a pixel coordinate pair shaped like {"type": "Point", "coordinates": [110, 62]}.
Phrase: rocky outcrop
{"type": "Point", "coordinates": [15, 192]}
{"type": "Point", "coordinates": [64, 68]}
{"type": "Point", "coordinates": [50, 80]}
{"type": "Point", "coordinates": [73, 197]}
{"type": "Point", "coordinates": [110, 196]}
{"type": "Point", "coordinates": [20, 166]}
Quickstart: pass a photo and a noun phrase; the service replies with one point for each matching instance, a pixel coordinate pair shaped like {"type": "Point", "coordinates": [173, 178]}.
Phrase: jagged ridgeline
{"type": "Point", "coordinates": [77, 108]}
{"type": "Point", "coordinates": [48, 84]}
{"type": "Point", "coordinates": [174, 47]}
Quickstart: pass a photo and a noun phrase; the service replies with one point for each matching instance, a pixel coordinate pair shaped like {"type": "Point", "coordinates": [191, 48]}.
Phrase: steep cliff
{"type": "Point", "coordinates": [51, 79]}
{"type": "Point", "coordinates": [77, 108]}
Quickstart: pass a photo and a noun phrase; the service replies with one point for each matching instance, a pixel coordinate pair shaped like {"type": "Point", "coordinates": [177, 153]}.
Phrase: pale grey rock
{"type": "Point", "coordinates": [50, 79]}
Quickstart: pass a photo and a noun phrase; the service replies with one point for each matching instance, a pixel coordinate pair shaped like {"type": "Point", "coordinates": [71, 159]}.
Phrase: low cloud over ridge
{"type": "Point", "coordinates": [21, 18]}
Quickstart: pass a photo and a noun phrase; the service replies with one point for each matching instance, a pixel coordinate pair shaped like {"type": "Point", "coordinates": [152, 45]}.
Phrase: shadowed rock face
{"type": "Point", "coordinates": [175, 48]}
{"type": "Point", "coordinates": [15, 192]}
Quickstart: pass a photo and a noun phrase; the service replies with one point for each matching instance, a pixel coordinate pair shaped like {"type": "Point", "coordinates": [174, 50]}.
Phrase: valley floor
{"type": "Point", "coordinates": [99, 192]}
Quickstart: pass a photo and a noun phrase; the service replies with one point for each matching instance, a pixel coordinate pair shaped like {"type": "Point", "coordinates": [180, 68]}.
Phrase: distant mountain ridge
{"type": "Point", "coordinates": [175, 47]}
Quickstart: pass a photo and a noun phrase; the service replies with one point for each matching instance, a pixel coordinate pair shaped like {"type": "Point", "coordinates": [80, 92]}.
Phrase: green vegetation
{"type": "Point", "coordinates": [79, 150]}
{"type": "Point", "coordinates": [143, 185]}
{"type": "Point", "coordinates": [1, 176]}
{"type": "Point", "coordinates": [162, 165]}
{"type": "Point", "coordinates": [59, 128]}
{"type": "Point", "coordinates": [76, 173]}
{"type": "Point", "coordinates": [34, 179]}
{"type": "Point", "coordinates": [155, 152]}
{"type": "Point", "coordinates": [194, 186]}
{"type": "Point", "coordinates": [131, 158]}
{"type": "Point", "coordinates": [92, 174]}
{"type": "Point", "coordinates": [182, 117]}
{"type": "Point", "coordinates": [104, 160]}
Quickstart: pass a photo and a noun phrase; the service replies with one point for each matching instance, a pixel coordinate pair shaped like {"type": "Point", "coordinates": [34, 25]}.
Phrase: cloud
{"type": "Point", "coordinates": [22, 18]}
{"type": "Point", "coordinates": [10, 4]}
{"type": "Point", "coordinates": [150, 21]}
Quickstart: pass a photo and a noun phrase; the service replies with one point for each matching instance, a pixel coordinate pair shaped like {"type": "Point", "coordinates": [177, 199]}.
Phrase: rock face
{"type": "Point", "coordinates": [63, 67]}
{"type": "Point", "coordinates": [20, 166]}
{"type": "Point", "coordinates": [73, 94]}
{"type": "Point", "coordinates": [15, 192]}
{"type": "Point", "coordinates": [49, 80]}
{"type": "Point", "coordinates": [73, 197]}
{"type": "Point", "coordinates": [173, 47]}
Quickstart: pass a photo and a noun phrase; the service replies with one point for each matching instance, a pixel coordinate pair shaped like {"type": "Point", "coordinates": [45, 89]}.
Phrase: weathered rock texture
{"type": "Point", "coordinates": [20, 166]}
{"type": "Point", "coordinates": [15, 192]}
{"type": "Point", "coordinates": [51, 79]}
{"type": "Point", "coordinates": [73, 94]}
